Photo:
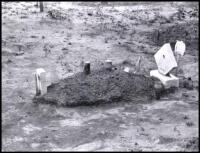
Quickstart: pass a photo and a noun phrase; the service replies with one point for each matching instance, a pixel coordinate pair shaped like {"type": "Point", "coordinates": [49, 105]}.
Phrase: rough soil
{"type": "Point", "coordinates": [186, 32]}
{"type": "Point", "coordinates": [60, 40]}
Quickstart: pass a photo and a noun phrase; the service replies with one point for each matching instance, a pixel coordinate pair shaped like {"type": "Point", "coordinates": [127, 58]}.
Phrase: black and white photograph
{"type": "Point", "coordinates": [100, 76]}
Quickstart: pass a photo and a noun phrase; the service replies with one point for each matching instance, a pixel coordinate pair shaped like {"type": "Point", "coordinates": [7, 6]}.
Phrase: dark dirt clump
{"type": "Point", "coordinates": [101, 86]}
{"type": "Point", "coordinates": [191, 144]}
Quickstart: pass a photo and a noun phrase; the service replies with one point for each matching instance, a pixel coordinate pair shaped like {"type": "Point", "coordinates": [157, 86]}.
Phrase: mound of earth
{"type": "Point", "coordinates": [191, 144]}
{"type": "Point", "coordinates": [183, 14]}
{"type": "Point", "coordinates": [186, 32]}
{"type": "Point", "coordinates": [100, 86]}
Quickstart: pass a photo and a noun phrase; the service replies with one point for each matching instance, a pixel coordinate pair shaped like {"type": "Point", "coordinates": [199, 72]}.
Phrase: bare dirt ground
{"type": "Point", "coordinates": [85, 31]}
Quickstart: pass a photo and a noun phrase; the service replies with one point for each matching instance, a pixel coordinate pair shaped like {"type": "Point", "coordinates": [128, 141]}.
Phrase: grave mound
{"type": "Point", "coordinates": [183, 31]}
{"type": "Point", "coordinates": [100, 86]}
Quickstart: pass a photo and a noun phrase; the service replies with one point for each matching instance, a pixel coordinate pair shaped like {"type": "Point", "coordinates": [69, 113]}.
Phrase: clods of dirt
{"type": "Point", "coordinates": [89, 14]}
{"type": "Point", "coordinates": [183, 14]}
{"type": "Point", "coordinates": [101, 86]}
{"type": "Point", "coordinates": [191, 144]}
{"type": "Point", "coordinates": [57, 14]}
{"type": "Point", "coordinates": [189, 123]}
{"type": "Point", "coordinates": [187, 83]}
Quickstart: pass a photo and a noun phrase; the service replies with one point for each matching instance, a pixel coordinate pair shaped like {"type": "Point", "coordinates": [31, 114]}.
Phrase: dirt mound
{"type": "Point", "coordinates": [101, 86]}
{"type": "Point", "coordinates": [183, 14]}
{"type": "Point", "coordinates": [57, 14]}
{"type": "Point", "coordinates": [186, 32]}
{"type": "Point", "coordinates": [191, 144]}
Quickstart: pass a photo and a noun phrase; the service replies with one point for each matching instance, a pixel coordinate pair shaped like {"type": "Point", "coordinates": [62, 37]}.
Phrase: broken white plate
{"type": "Point", "coordinates": [127, 69]}
{"type": "Point", "coordinates": [180, 47]}
{"type": "Point", "coordinates": [167, 81]}
{"type": "Point", "coordinates": [165, 59]}
{"type": "Point", "coordinates": [40, 70]}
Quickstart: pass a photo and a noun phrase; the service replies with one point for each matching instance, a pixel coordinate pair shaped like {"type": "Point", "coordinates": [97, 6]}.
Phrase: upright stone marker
{"type": "Point", "coordinates": [41, 6]}
{"type": "Point", "coordinates": [179, 51]}
{"type": "Point", "coordinates": [137, 68]}
{"type": "Point", "coordinates": [180, 47]}
{"type": "Point", "coordinates": [165, 59]}
{"type": "Point", "coordinates": [108, 64]}
{"type": "Point", "coordinates": [40, 81]}
{"type": "Point", "coordinates": [87, 68]}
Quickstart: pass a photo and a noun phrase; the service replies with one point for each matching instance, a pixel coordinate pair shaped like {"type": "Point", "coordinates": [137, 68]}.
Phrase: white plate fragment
{"type": "Point", "coordinates": [127, 69]}
{"type": "Point", "coordinates": [165, 59]}
{"type": "Point", "coordinates": [167, 81]}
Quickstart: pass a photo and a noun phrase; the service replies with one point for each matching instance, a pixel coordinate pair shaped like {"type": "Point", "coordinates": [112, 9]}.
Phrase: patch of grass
{"type": "Point", "coordinates": [189, 123]}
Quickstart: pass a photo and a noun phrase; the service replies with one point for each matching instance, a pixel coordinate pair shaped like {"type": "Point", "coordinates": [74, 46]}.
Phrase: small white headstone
{"type": "Point", "coordinates": [108, 64]}
{"type": "Point", "coordinates": [165, 59]}
{"type": "Point", "coordinates": [180, 47]}
{"type": "Point", "coordinates": [40, 81]}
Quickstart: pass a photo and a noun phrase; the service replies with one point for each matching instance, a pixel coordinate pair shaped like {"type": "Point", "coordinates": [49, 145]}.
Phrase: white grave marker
{"type": "Point", "coordinates": [180, 47]}
{"type": "Point", "coordinates": [179, 51]}
{"type": "Point", "coordinates": [108, 64]}
{"type": "Point", "coordinates": [165, 59]}
{"type": "Point", "coordinates": [40, 81]}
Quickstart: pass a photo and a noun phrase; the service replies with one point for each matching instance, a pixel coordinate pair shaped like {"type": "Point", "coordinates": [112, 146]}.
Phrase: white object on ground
{"type": "Point", "coordinates": [165, 59]}
{"type": "Point", "coordinates": [180, 47]}
{"type": "Point", "coordinates": [108, 64]}
{"type": "Point", "coordinates": [40, 89]}
{"type": "Point", "coordinates": [167, 81]}
{"type": "Point", "coordinates": [40, 70]}
{"type": "Point", "coordinates": [127, 69]}
{"type": "Point", "coordinates": [179, 51]}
